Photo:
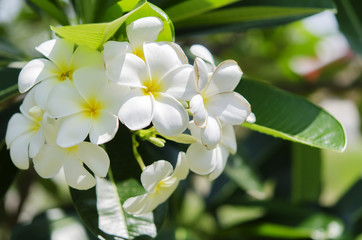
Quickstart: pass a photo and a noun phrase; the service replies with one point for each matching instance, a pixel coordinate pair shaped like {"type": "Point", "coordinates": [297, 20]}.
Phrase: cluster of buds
{"type": "Point", "coordinates": [76, 97]}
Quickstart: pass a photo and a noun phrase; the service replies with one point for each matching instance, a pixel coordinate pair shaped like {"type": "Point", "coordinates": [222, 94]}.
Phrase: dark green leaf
{"type": "Point", "coordinates": [8, 84]}
{"type": "Point", "coordinates": [306, 174]}
{"type": "Point", "coordinates": [250, 14]}
{"type": "Point", "coordinates": [101, 207]}
{"type": "Point", "coordinates": [52, 10]}
{"type": "Point", "coordinates": [9, 51]}
{"type": "Point", "coordinates": [285, 115]}
{"type": "Point", "coordinates": [191, 8]}
{"type": "Point", "coordinates": [349, 17]}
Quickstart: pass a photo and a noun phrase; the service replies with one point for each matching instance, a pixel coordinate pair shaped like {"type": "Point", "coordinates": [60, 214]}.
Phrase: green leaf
{"type": "Point", "coordinates": [101, 207]}
{"type": "Point", "coordinates": [250, 14]}
{"type": "Point", "coordinates": [306, 174]}
{"type": "Point", "coordinates": [285, 115]}
{"type": "Point", "coordinates": [52, 10]}
{"type": "Point", "coordinates": [95, 35]}
{"type": "Point", "coordinates": [191, 8]}
{"type": "Point", "coordinates": [349, 17]}
{"type": "Point", "coordinates": [244, 176]}
{"type": "Point", "coordinates": [91, 35]}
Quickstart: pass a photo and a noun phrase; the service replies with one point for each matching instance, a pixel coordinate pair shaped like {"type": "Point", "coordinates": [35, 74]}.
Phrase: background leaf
{"type": "Point", "coordinates": [285, 115]}
{"type": "Point", "coordinates": [52, 10]}
{"type": "Point", "coordinates": [246, 14]}
{"type": "Point", "coordinates": [306, 173]}
{"type": "Point", "coordinates": [349, 17]}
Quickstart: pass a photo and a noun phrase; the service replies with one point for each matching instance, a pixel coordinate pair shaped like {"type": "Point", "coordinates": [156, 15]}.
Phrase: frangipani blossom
{"type": "Point", "coordinates": [159, 181]}
{"type": "Point", "coordinates": [25, 134]}
{"type": "Point", "coordinates": [216, 102]}
{"type": "Point", "coordinates": [59, 66]}
{"type": "Point", "coordinates": [156, 86]}
{"type": "Point", "coordinates": [210, 162]}
{"type": "Point", "coordinates": [51, 158]}
{"type": "Point", "coordinates": [89, 106]}
{"type": "Point", "coordinates": [138, 32]}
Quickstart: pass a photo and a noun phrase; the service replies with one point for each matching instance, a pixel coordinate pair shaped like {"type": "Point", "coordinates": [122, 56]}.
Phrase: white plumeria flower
{"type": "Point", "coordinates": [210, 162]}
{"type": "Point", "coordinates": [202, 52]}
{"type": "Point", "coordinates": [88, 106]}
{"type": "Point", "coordinates": [216, 102]}
{"type": "Point", "coordinates": [159, 181]}
{"type": "Point", "coordinates": [59, 66]}
{"type": "Point", "coordinates": [51, 158]}
{"type": "Point", "coordinates": [138, 32]}
{"type": "Point", "coordinates": [25, 134]}
{"type": "Point", "coordinates": [156, 86]}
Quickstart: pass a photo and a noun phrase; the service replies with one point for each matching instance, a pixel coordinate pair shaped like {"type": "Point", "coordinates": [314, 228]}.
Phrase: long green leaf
{"type": "Point", "coordinates": [52, 10]}
{"type": "Point", "coordinates": [101, 207]}
{"type": "Point", "coordinates": [306, 174]}
{"type": "Point", "coordinates": [8, 85]}
{"type": "Point", "coordinates": [191, 8]}
{"type": "Point", "coordinates": [285, 115]}
{"type": "Point", "coordinates": [349, 17]}
{"type": "Point", "coordinates": [250, 13]}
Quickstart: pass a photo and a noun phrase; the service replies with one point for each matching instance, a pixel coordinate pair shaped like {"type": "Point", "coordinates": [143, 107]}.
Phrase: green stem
{"type": "Point", "coordinates": [138, 157]}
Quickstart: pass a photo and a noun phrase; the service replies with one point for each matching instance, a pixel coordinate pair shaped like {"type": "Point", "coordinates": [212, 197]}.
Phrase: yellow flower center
{"type": "Point", "coordinates": [139, 52]}
{"type": "Point", "coordinates": [67, 74]}
{"type": "Point", "coordinates": [152, 86]}
{"type": "Point", "coordinates": [92, 108]}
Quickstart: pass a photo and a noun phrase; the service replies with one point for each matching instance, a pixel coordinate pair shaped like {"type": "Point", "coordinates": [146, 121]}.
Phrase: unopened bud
{"type": "Point", "coordinates": [36, 112]}
{"type": "Point", "coordinates": [159, 142]}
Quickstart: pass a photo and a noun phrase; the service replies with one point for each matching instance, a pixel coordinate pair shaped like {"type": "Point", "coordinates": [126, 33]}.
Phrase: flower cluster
{"type": "Point", "coordinates": [76, 97]}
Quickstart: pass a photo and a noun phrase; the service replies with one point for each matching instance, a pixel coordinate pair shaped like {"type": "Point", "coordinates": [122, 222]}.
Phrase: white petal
{"type": "Point", "coordinates": [137, 111]}
{"type": "Point", "coordinates": [36, 141]}
{"type": "Point", "coordinates": [42, 90]}
{"type": "Point", "coordinates": [104, 127]}
{"type": "Point", "coordinates": [198, 111]}
{"type": "Point", "coordinates": [94, 157]}
{"type": "Point", "coordinates": [28, 103]}
{"type": "Point", "coordinates": [35, 71]}
{"type": "Point", "coordinates": [90, 82]}
{"type": "Point", "coordinates": [143, 30]}
{"type": "Point", "coordinates": [114, 49]}
{"type": "Point", "coordinates": [225, 78]}
{"type": "Point", "coordinates": [113, 97]}
{"type": "Point", "coordinates": [161, 58]}
{"type": "Point", "coordinates": [203, 53]}
{"type": "Point", "coordinates": [49, 160]}
{"type": "Point", "coordinates": [170, 117]}
{"type": "Point", "coordinates": [84, 56]}
{"type": "Point", "coordinates": [200, 160]}
{"type": "Point", "coordinates": [64, 100]}
{"type": "Point", "coordinates": [18, 125]}
{"type": "Point", "coordinates": [73, 130]}
{"type": "Point", "coordinates": [76, 175]}
{"type": "Point", "coordinates": [180, 83]}
{"type": "Point", "coordinates": [59, 51]}
{"type": "Point", "coordinates": [127, 69]}
{"type": "Point", "coordinates": [230, 108]}
{"type": "Point", "coordinates": [182, 168]}
{"type": "Point", "coordinates": [136, 205]}
{"type": "Point", "coordinates": [19, 152]}
{"type": "Point", "coordinates": [211, 134]}
{"type": "Point", "coordinates": [221, 157]}
{"type": "Point", "coordinates": [202, 74]}
{"type": "Point", "coordinates": [228, 138]}
{"type": "Point", "coordinates": [154, 173]}
{"type": "Point", "coordinates": [195, 131]}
